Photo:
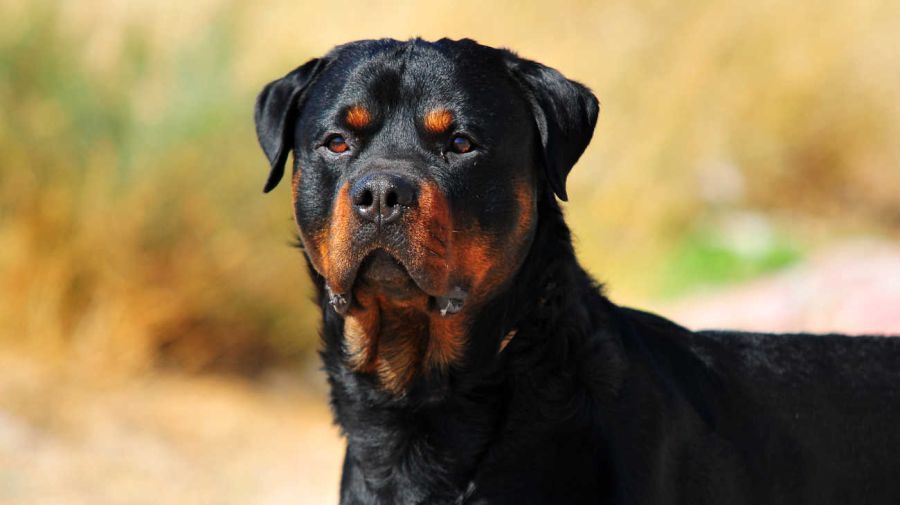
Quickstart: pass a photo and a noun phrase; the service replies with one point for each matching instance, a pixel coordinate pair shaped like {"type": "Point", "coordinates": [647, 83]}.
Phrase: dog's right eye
{"type": "Point", "coordinates": [337, 144]}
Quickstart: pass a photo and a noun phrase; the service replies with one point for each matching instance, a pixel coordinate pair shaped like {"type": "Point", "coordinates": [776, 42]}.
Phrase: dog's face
{"type": "Point", "coordinates": [418, 167]}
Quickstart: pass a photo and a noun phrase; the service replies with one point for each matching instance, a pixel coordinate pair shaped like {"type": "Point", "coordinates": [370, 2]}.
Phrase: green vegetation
{"type": "Point", "coordinates": [705, 259]}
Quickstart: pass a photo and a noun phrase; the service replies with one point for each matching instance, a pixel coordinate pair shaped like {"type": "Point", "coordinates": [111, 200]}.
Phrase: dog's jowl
{"type": "Point", "coordinates": [473, 361]}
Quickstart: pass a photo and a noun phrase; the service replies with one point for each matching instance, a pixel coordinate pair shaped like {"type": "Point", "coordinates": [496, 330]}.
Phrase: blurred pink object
{"type": "Point", "coordinates": [853, 288]}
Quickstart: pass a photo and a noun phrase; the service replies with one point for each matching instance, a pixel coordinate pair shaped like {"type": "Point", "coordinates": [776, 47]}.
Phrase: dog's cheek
{"type": "Point", "coordinates": [489, 258]}
{"type": "Point", "coordinates": [429, 232]}
{"type": "Point", "coordinates": [525, 223]}
{"type": "Point", "coordinates": [475, 259]}
{"type": "Point", "coordinates": [338, 255]}
{"type": "Point", "coordinates": [311, 218]}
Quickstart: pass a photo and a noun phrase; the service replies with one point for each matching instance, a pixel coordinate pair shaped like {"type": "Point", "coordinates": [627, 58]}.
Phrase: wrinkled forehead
{"type": "Point", "coordinates": [416, 77]}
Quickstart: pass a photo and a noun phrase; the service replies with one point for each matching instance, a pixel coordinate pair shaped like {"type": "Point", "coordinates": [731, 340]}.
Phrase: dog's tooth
{"type": "Point", "coordinates": [453, 302]}
{"type": "Point", "coordinates": [340, 302]}
{"type": "Point", "coordinates": [449, 305]}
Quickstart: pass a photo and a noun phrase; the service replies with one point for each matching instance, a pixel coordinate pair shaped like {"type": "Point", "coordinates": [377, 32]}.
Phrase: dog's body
{"type": "Point", "coordinates": [473, 361]}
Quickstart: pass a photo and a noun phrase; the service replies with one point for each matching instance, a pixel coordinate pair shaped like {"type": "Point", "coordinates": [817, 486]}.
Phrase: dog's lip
{"type": "Point", "coordinates": [385, 272]}
{"type": "Point", "coordinates": [382, 267]}
{"type": "Point", "coordinates": [381, 271]}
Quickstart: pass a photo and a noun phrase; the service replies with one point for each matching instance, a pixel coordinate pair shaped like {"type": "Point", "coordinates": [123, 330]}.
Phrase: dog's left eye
{"type": "Point", "coordinates": [460, 144]}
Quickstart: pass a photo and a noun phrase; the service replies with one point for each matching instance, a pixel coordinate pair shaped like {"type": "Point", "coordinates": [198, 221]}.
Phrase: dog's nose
{"type": "Point", "coordinates": [381, 197]}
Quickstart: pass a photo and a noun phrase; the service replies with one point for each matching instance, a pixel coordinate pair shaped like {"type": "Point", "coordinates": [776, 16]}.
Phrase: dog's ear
{"type": "Point", "coordinates": [276, 110]}
{"type": "Point", "coordinates": [565, 113]}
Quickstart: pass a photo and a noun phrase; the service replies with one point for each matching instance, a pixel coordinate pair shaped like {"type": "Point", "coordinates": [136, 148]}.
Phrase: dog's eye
{"type": "Point", "coordinates": [461, 144]}
{"type": "Point", "coordinates": [337, 144]}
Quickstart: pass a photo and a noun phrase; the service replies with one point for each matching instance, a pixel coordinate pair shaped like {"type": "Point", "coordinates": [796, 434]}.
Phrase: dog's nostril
{"type": "Point", "coordinates": [366, 199]}
{"type": "Point", "coordinates": [391, 198]}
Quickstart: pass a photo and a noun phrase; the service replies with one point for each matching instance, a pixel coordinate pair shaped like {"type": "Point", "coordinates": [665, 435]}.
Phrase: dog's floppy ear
{"type": "Point", "coordinates": [276, 110]}
{"type": "Point", "coordinates": [565, 113]}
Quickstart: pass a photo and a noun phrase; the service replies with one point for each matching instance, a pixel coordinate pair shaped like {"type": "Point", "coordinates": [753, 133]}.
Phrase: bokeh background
{"type": "Point", "coordinates": [157, 344]}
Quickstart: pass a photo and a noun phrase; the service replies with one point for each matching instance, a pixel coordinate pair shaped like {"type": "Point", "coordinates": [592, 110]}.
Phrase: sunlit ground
{"type": "Point", "coordinates": [162, 440]}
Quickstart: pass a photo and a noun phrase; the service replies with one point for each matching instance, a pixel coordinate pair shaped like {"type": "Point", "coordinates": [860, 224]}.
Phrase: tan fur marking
{"type": "Point", "coordinates": [525, 199]}
{"type": "Point", "coordinates": [339, 237]}
{"type": "Point", "coordinates": [430, 233]}
{"type": "Point", "coordinates": [321, 259]}
{"type": "Point", "coordinates": [358, 117]}
{"type": "Point", "coordinates": [446, 341]}
{"type": "Point", "coordinates": [475, 256]}
{"type": "Point", "coordinates": [438, 120]}
{"type": "Point", "coordinates": [386, 339]}
{"type": "Point", "coordinates": [507, 339]}
{"type": "Point", "coordinates": [295, 186]}
{"type": "Point", "coordinates": [401, 339]}
{"type": "Point", "coordinates": [356, 342]}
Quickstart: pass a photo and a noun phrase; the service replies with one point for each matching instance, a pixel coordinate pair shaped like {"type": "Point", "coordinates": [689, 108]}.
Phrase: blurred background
{"type": "Point", "coordinates": [157, 344]}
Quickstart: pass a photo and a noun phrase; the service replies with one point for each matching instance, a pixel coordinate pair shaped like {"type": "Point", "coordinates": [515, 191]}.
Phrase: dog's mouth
{"type": "Point", "coordinates": [383, 272]}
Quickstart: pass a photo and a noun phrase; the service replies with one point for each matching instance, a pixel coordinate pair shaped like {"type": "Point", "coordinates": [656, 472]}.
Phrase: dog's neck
{"type": "Point", "coordinates": [412, 444]}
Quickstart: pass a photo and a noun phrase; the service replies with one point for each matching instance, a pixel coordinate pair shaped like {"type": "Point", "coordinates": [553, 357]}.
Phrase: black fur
{"type": "Point", "coordinates": [591, 402]}
{"type": "Point", "coordinates": [565, 113]}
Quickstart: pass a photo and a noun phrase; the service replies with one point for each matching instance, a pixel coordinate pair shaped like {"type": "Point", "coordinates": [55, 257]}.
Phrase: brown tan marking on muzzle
{"type": "Point", "coordinates": [334, 254]}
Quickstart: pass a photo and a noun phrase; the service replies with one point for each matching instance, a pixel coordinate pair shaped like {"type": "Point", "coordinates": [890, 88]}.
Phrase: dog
{"type": "Point", "coordinates": [471, 360]}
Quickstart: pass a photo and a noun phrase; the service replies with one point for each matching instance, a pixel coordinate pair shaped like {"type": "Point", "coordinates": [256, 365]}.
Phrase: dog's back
{"type": "Point", "coordinates": [757, 418]}
{"type": "Point", "coordinates": [814, 417]}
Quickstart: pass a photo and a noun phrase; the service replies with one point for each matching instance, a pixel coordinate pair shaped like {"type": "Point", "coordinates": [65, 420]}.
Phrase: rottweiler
{"type": "Point", "coordinates": [472, 360]}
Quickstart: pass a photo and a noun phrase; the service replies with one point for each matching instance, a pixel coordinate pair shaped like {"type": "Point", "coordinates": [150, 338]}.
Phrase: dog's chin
{"type": "Point", "coordinates": [382, 273]}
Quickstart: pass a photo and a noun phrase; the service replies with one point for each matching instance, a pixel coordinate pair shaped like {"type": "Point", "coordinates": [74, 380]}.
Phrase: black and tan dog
{"type": "Point", "coordinates": [472, 360]}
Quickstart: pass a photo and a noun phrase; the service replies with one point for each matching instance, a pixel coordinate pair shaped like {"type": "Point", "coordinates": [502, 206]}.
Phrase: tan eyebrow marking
{"type": "Point", "coordinates": [438, 120]}
{"type": "Point", "coordinates": [358, 117]}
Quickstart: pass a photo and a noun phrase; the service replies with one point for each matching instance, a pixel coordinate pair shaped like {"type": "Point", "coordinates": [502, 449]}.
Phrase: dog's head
{"type": "Point", "coordinates": [418, 168]}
